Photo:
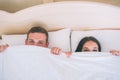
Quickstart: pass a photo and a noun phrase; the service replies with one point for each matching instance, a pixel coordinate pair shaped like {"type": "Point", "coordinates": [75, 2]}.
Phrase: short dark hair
{"type": "Point", "coordinates": [86, 39]}
{"type": "Point", "coordinates": [38, 29]}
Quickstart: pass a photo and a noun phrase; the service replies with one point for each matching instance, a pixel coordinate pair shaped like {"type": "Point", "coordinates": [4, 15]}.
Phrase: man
{"type": "Point", "coordinates": [36, 36]}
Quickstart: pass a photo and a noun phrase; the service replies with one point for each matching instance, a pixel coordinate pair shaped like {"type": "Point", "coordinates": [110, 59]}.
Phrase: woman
{"type": "Point", "coordinates": [91, 44]}
{"type": "Point", "coordinates": [88, 44]}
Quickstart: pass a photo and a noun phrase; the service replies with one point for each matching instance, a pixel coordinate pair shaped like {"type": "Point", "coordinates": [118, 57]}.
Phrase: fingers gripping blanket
{"type": "Point", "coordinates": [37, 63]}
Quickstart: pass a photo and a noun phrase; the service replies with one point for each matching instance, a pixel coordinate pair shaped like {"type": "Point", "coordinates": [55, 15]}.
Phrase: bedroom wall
{"type": "Point", "coordinates": [113, 2]}
{"type": "Point", "coordinates": [15, 5]}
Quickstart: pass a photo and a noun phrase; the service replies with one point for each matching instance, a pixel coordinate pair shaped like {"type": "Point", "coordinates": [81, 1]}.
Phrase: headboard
{"type": "Point", "coordinates": [83, 17]}
{"type": "Point", "coordinates": [77, 15]}
{"type": "Point", "coordinates": [88, 18]}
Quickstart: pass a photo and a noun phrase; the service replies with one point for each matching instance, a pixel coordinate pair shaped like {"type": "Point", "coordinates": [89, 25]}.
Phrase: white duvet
{"type": "Point", "coordinates": [37, 63]}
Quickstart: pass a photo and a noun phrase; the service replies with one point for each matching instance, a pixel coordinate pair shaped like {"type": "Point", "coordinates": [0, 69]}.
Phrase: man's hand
{"type": "Point", "coordinates": [3, 47]}
{"type": "Point", "coordinates": [68, 54]}
{"type": "Point", "coordinates": [58, 51]}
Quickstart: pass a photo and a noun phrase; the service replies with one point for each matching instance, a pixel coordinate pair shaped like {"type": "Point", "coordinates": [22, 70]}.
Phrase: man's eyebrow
{"type": "Point", "coordinates": [41, 41]}
{"type": "Point", "coordinates": [30, 39]}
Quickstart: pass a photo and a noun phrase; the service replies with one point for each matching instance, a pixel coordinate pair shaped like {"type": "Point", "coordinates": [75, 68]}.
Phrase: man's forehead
{"type": "Point", "coordinates": [36, 33]}
{"type": "Point", "coordinates": [37, 36]}
{"type": "Point", "coordinates": [37, 39]}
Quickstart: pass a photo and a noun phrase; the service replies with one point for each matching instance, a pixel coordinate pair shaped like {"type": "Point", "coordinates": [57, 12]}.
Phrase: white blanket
{"type": "Point", "coordinates": [37, 63]}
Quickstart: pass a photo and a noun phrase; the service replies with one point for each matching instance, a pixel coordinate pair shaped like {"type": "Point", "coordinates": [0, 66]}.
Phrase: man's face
{"type": "Point", "coordinates": [37, 39]}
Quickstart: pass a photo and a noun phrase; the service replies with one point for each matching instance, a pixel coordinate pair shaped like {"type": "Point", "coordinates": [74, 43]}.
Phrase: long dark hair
{"type": "Point", "coordinates": [86, 39]}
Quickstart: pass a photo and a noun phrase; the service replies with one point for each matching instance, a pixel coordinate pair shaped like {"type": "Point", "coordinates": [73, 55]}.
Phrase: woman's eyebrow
{"type": "Point", "coordinates": [95, 47]}
{"type": "Point", "coordinates": [85, 48]}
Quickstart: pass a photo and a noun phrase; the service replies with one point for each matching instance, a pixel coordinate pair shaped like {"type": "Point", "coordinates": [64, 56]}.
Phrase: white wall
{"type": "Point", "coordinates": [15, 5]}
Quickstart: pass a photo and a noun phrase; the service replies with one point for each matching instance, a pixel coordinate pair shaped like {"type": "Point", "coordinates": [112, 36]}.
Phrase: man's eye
{"type": "Point", "coordinates": [40, 42]}
{"type": "Point", "coordinates": [31, 41]}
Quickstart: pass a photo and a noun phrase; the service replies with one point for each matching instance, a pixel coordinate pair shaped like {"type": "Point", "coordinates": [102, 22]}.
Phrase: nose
{"type": "Point", "coordinates": [91, 51]}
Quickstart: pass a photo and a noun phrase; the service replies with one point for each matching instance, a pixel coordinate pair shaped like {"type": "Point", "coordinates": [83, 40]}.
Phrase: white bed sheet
{"type": "Point", "coordinates": [1, 60]}
{"type": "Point", "coordinates": [37, 63]}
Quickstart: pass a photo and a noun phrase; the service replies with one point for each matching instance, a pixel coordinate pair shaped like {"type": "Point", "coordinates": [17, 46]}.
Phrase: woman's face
{"type": "Point", "coordinates": [90, 46]}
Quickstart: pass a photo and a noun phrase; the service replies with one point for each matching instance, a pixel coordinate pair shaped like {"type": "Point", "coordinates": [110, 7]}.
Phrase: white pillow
{"type": "Point", "coordinates": [14, 39]}
{"type": "Point", "coordinates": [60, 38]}
{"type": "Point", "coordinates": [109, 39]}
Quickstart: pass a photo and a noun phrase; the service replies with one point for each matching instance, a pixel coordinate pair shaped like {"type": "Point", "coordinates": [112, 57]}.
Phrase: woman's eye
{"type": "Point", "coordinates": [94, 50]}
{"type": "Point", "coordinates": [86, 50]}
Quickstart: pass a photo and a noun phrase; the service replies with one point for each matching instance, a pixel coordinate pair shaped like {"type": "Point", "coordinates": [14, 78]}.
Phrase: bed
{"type": "Point", "coordinates": [67, 23]}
